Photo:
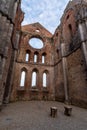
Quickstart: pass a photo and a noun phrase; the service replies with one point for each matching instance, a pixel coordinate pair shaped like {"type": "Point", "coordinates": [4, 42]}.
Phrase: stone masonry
{"type": "Point", "coordinates": [9, 40]}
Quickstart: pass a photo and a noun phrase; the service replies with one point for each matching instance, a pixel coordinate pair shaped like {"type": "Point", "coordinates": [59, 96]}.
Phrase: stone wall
{"type": "Point", "coordinates": [77, 78]}
{"type": "Point", "coordinates": [72, 50]}
{"type": "Point", "coordinates": [8, 11]}
{"type": "Point", "coordinates": [59, 83]}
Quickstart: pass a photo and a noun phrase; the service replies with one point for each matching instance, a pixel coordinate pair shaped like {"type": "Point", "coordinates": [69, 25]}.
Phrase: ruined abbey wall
{"type": "Point", "coordinates": [72, 46]}
{"type": "Point", "coordinates": [65, 56]}
{"type": "Point", "coordinates": [8, 26]}
{"type": "Point", "coordinates": [37, 92]}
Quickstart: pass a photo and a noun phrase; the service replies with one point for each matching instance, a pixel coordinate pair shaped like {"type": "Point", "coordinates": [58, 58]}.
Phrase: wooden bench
{"type": "Point", "coordinates": [68, 110]}
{"type": "Point", "coordinates": [53, 111]}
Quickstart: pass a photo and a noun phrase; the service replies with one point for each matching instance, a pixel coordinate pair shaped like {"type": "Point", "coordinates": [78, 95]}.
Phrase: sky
{"type": "Point", "coordinates": [36, 43]}
{"type": "Point", "coordinates": [46, 12]}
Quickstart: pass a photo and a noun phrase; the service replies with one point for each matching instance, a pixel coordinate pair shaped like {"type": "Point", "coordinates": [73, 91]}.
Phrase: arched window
{"type": "Point", "coordinates": [43, 58]}
{"type": "Point", "coordinates": [27, 57]}
{"type": "Point", "coordinates": [22, 81]}
{"type": "Point", "coordinates": [44, 79]}
{"type": "Point", "coordinates": [34, 78]}
{"type": "Point", "coordinates": [35, 58]}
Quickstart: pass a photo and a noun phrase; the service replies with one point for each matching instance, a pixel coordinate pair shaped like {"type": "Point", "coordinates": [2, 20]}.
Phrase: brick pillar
{"type": "Point", "coordinates": [64, 65]}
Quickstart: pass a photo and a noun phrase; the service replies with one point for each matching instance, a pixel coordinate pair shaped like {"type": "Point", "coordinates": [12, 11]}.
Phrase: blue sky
{"type": "Point", "coordinates": [36, 43]}
{"type": "Point", "coordinates": [46, 12]}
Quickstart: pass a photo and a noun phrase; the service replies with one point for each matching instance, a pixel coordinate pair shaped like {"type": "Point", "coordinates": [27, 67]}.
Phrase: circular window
{"type": "Point", "coordinates": [36, 43]}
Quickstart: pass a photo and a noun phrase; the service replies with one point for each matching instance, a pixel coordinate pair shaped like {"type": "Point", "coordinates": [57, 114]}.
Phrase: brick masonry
{"type": "Point", "coordinates": [65, 52]}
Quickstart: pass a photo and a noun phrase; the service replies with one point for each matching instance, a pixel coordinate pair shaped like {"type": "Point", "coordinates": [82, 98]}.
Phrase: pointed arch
{"type": "Point", "coordinates": [27, 57]}
{"type": "Point", "coordinates": [34, 78]}
{"type": "Point", "coordinates": [43, 58]}
{"type": "Point", "coordinates": [45, 78]}
{"type": "Point", "coordinates": [23, 77]}
{"type": "Point", "coordinates": [36, 57]}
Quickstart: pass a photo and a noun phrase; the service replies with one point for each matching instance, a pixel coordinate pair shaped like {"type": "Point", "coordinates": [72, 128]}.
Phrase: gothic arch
{"type": "Point", "coordinates": [45, 79]}
{"type": "Point", "coordinates": [23, 77]}
{"type": "Point", "coordinates": [34, 78]}
{"type": "Point", "coordinates": [44, 57]}
{"type": "Point", "coordinates": [36, 57]}
{"type": "Point", "coordinates": [27, 55]}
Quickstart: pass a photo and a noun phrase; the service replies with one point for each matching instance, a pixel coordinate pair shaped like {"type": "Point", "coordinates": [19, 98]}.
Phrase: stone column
{"type": "Point", "coordinates": [7, 37]}
{"type": "Point", "coordinates": [7, 98]}
{"type": "Point", "coordinates": [3, 27]}
{"type": "Point", "coordinates": [7, 92]}
{"type": "Point", "coordinates": [4, 46]}
{"type": "Point", "coordinates": [13, 58]}
{"type": "Point", "coordinates": [82, 30]}
{"type": "Point", "coordinates": [64, 64]}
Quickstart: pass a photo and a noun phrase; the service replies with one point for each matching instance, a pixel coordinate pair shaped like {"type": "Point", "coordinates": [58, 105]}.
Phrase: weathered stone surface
{"type": "Point", "coordinates": [7, 7]}
{"type": "Point", "coordinates": [69, 34]}
{"type": "Point", "coordinates": [8, 28]}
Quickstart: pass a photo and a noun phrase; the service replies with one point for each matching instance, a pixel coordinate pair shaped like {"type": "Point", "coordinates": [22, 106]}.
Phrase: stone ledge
{"type": "Point", "coordinates": [34, 90]}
